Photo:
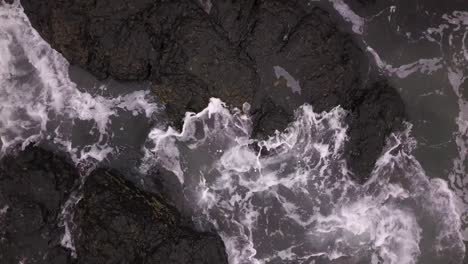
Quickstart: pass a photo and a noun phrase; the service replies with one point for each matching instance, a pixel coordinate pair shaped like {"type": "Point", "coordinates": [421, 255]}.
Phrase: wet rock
{"type": "Point", "coordinates": [33, 187]}
{"type": "Point", "coordinates": [114, 222]}
{"type": "Point", "coordinates": [194, 50]}
{"type": "Point", "coordinates": [146, 228]}
{"type": "Point", "coordinates": [378, 112]}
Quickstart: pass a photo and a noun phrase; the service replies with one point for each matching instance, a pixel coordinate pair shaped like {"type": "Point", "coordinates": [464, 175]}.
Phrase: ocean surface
{"type": "Point", "coordinates": [297, 204]}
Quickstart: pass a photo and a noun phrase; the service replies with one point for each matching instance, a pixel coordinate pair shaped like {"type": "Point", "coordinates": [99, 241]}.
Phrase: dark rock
{"type": "Point", "coordinates": [275, 54]}
{"type": "Point", "coordinates": [269, 117]}
{"type": "Point", "coordinates": [33, 187]}
{"type": "Point", "coordinates": [114, 222]}
{"type": "Point", "coordinates": [121, 224]}
{"type": "Point", "coordinates": [167, 184]}
{"type": "Point", "coordinates": [378, 112]}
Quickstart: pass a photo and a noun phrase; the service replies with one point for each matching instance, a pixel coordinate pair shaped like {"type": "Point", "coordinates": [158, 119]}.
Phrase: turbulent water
{"type": "Point", "coordinates": [426, 59]}
{"type": "Point", "coordinates": [287, 199]}
{"type": "Point", "coordinates": [38, 102]}
{"type": "Point", "coordinates": [292, 199]}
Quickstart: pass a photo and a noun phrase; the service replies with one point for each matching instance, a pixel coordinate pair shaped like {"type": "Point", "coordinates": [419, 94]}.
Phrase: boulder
{"type": "Point", "coordinates": [112, 222]}
{"type": "Point", "coordinates": [118, 223]}
{"type": "Point", "coordinates": [34, 185]}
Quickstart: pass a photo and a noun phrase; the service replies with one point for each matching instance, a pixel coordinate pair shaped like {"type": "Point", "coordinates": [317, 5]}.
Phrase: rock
{"type": "Point", "coordinates": [194, 50]}
{"type": "Point", "coordinates": [378, 112]}
{"type": "Point", "coordinates": [114, 222]}
{"type": "Point", "coordinates": [147, 229]}
{"type": "Point", "coordinates": [33, 187]}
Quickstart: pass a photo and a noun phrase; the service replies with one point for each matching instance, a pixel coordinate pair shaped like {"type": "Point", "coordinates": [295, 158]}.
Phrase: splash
{"type": "Point", "coordinates": [39, 104]}
{"type": "Point", "coordinates": [289, 199]}
{"type": "Point", "coordinates": [38, 101]}
{"type": "Point", "coordinates": [450, 34]}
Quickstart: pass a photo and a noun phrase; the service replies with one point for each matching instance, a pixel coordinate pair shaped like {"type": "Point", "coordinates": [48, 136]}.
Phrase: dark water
{"type": "Point", "coordinates": [421, 46]}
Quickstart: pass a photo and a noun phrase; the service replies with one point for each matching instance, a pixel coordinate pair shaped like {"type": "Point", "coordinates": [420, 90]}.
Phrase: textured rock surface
{"type": "Point", "coordinates": [114, 222]}
{"type": "Point", "coordinates": [228, 49]}
{"type": "Point", "coordinates": [33, 187]}
{"type": "Point", "coordinates": [120, 224]}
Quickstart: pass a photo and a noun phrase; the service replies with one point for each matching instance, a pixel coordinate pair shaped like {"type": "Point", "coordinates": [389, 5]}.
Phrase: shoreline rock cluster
{"type": "Point", "coordinates": [275, 55]}
{"type": "Point", "coordinates": [112, 222]}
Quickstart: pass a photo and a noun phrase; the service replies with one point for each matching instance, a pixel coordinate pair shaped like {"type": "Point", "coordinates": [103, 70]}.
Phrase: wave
{"type": "Point", "coordinates": [290, 199]}
{"type": "Point", "coordinates": [40, 103]}
{"type": "Point", "coordinates": [287, 199]}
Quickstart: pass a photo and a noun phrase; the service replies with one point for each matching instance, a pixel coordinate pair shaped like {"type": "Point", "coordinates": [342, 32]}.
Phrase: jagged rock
{"type": "Point", "coordinates": [274, 54]}
{"type": "Point", "coordinates": [120, 224]}
{"type": "Point", "coordinates": [114, 222]}
{"type": "Point", "coordinates": [376, 113]}
{"type": "Point", "coordinates": [33, 187]}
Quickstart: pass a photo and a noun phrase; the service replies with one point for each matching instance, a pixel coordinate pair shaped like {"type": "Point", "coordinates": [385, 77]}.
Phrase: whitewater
{"type": "Point", "coordinates": [289, 198]}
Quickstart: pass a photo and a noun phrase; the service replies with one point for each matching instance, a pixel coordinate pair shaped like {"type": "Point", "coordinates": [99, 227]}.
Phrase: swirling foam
{"type": "Point", "coordinates": [39, 102]}
{"type": "Point", "coordinates": [296, 202]}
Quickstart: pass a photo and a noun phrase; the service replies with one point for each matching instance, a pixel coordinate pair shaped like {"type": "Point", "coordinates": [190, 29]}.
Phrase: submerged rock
{"type": "Point", "coordinates": [113, 222]}
{"type": "Point", "coordinates": [275, 55]}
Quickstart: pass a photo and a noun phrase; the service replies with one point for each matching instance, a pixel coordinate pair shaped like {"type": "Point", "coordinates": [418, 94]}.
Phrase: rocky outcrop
{"type": "Point", "coordinates": [117, 223]}
{"type": "Point", "coordinates": [113, 222]}
{"type": "Point", "coordinates": [376, 113]}
{"type": "Point", "coordinates": [33, 187]}
{"type": "Point", "coordinates": [274, 54]}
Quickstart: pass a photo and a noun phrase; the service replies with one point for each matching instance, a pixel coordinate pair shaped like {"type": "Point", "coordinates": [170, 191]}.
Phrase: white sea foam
{"type": "Point", "coordinates": [38, 101]}
{"type": "Point", "coordinates": [297, 202]}
{"type": "Point", "coordinates": [457, 28]}
{"type": "Point", "coordinates": [293, 204]}
{"type": "Point", "coordinates": [349, 15]}
{"type": "Point", "coordinates": [451, 37]}
{"type": "Point", "coordinates": [425, 66]}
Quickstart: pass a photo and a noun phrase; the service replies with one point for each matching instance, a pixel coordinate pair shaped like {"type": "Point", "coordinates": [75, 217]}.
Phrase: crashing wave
{"type": "Point", "coordinates": [290, 199]}
{"type": "Point", "coordinates": [287, 199]}
{"type": "Point", "coordinates": [39, 102]}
